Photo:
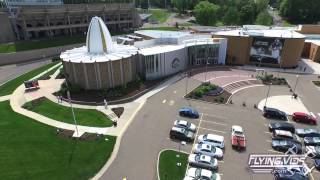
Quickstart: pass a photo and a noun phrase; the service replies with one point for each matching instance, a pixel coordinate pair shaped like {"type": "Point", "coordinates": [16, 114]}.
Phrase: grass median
{"type": "Point", "coordinates": [168, 169]}
{"type": "Point", "coordinates": [11, 85]}
{"type": "Point", "coordinates": [31, 150]}
{"type": "Point", "coordinates": [85, 117]}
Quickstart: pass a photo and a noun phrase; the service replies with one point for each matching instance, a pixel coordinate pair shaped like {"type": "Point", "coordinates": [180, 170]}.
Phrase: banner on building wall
{"type": "Point", "coordinates": [266, 50]}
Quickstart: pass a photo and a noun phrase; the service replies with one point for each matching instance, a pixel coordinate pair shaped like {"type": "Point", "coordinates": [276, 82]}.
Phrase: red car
{"type": "Point", "coordinates": [304, 118]}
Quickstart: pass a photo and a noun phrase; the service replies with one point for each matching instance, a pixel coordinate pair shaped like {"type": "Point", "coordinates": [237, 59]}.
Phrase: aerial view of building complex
{"type": "Point", "coordinates": [159, 89]}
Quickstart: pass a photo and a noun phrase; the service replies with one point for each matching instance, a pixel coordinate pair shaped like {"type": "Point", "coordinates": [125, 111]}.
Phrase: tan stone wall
{"type": "Point", "coordinates": [80, 75]}
{"type": "Point", "coordinates": [309, 29]}
{"type": "Point", "coordinates": [314, 53]}
{"type": "Point", "coordinates": [104, 72]}
{"type": "Point", "coordinates": [238, 47]}
{"type": "Point", "coordinates": [116, 73]}
{"type": "Point", "coordinates": [91, 74]}
{"type": "Point", "coordinates": [291, 53]}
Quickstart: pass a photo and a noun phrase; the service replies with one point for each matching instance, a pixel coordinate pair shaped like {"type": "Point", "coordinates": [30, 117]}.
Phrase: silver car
{"type": "Point", "coordinates": [203, 161]}
{"type": "Point", "coordinates": [209, 150]}
{"type": "Point", "coordinates": [198, 173]}
{"type": "Point", "coordinates": [185, 124]}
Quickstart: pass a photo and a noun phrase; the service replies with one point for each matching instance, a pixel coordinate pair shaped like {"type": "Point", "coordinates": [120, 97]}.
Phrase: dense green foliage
{"type": "Point", "coordinates": [204, 88]}
{"type": "Point", "coordinates": [159, 15]}
{"type": "Point", "coordinates": [300, 11]}
{"type": "Point", "coordinates": [85, 117]}
{"type": "Point", "coordinates": [10, 86]}
{"type": "Point", "coordinates": [264, 18]}
{"type": "Point", "coordinates": [168, 169]}
{"type": "Point", "coordinates": [31, 150]}
{"type": "Point", "coordinates": [233, 12]}
{"type": "Point", "coordinates": [205, 9]}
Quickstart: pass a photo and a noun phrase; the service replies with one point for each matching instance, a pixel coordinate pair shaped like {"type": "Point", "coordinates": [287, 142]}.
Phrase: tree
{"type": "Point", "coordinates": [206, 13]}
{"type": "Point", "coordinates": [262, 5]}
{"type": "Point", "coordinates": [231, 17]}
{"type": "Point", "coordinates": [264, 18]}
{"type": "Point", "coordinates": [247, 12]}
{"type": "Point", "coordinates": [300, 11]}
{"type": "Point", "coordinates": [181, 5]}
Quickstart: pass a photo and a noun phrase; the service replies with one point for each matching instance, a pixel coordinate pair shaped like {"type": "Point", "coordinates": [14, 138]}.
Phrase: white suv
{"type": "Point", "coordinates": [212, 139]}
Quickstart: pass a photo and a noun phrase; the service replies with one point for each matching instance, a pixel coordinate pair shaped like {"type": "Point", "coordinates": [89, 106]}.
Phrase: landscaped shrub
{"type": "Point", "coordinates": [56, 58]}
{"type": "Point", "coordinates": [28, 106]}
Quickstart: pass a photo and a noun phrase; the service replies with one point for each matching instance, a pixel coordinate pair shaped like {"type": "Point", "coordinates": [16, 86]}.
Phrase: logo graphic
{"type": "Point", "coordinates": [288, 163]}
{"type": "Point", "coordinates": [175, 63]}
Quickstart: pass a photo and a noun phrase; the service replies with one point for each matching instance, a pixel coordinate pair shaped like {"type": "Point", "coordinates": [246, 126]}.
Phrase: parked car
{"type": "Point", "coordinates": [291, 174]}
{"type": "Point", "coordinates": [308, 132]}
{"type": "Point", "coordinates": [208, 150]}
{"type": "Point", "coordinates": [313, 151]}
{"type": "Point", "coordinates": [185, 124]}
{"type": "Point", "coordinates": [238, 139]}
{"type": "Point", "coordinates": [304, 118]}
{"type": "Point", "coordinates": [197, 173]}
{"type": "Point", "coordinates": [274, 113]}
{"type": "Point", "coordinates": [285, 145]}
{"type": "Point", "coordinates": [317, 164]}
{"type": "Point", "coordinates": [281, 126]}
{"type": "Point", "coordinates": [181, 134]}
{"type": "Point", "coordinates": [311, 141]}
{"type": "Point", "coordinates": [203, 161]}
{"type": "Point", "coordinates": [281, 134]}
{"type": "Point", "coordinates": [188, 112]}
{"type": "Point", "coordinates": [212, 139]}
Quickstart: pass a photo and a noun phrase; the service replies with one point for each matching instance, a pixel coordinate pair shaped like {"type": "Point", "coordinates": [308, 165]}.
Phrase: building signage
{"type": "Point", "coordinates": [175, 63]}
{"type": "Point", "coordinates": [266, 50]}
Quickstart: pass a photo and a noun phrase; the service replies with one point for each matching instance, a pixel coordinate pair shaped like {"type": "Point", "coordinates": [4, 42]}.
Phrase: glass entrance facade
{"type": "Point", "coordinates": [202, 54]}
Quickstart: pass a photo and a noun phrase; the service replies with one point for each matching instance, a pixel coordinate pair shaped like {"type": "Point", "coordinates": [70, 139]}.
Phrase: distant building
{"type": "Point", "coordinates": [31, 19]}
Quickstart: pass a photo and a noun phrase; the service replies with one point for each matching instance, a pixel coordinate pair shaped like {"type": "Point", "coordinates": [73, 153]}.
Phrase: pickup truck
{"type": "Point", "coordinates": [238, 139]}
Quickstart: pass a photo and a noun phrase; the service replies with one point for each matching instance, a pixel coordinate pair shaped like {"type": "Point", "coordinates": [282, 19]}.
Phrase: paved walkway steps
{"type": "Point", "coordinates": [233, 87]}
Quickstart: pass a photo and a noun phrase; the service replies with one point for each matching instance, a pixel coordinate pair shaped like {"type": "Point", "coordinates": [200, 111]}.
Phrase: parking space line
{"type": "Point", "coordinates": [220, 174]}
{"type": "Point", "coordinates": [319, 114]}
{"type": "Point", "coordinates": [194, 141]}
{"type": "Point", "coordinates": [164, 101]}
{"type": "Point", "coordinates": [171, 102]}
{"type": "Point", "coordinates": [213, 122]}
{"type": "Point", "coordinates": [221, 161]}
{"type": "Point", "coordinates": [270, 150]}
{"type": "Point", "coordinates": [265, 124]}
{"type": "Point", "coordinates": [175, 92]}
{"type": "Point", "coordinates": [269, 141]}
{"type": "Point", "coordinates": [213, 130]}
{"type": "Point", "coordinates": [215, 116]}
{"type": "Point", "coordinates": [267, 132]}
{"type": "Point", "coordinates": [313, 115]}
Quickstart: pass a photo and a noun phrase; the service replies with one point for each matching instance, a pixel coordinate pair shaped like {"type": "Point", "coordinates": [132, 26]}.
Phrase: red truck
{"type": "Point", "coordinates": [238, 139]}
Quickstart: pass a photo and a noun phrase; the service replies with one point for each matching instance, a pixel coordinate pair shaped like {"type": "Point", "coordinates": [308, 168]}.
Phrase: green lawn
{"type": "Point", "coordinates": [10, 86]}
{"type": "Point", "coordinates": [85, 117]}
{"type": "Point", "coordinates": [160, 15]}
{"type": "Point", "coordinates": [168, 169]}
{"type": "Point", "coordinates": [49, 73]}
{"type": "Point", "coordinates": [39, 44]}
{"type": "Point", "coordinates": [31, 150]}
{"type": "Point", "coordinates": [317, 83]}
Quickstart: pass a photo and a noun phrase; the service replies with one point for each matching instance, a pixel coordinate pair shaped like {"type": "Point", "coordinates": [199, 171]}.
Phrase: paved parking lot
{"type": "Point", "coordinates": [148, 134]}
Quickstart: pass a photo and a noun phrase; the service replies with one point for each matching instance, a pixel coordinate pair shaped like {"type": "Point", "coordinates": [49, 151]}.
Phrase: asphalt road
{"type": "Point", "coordinates": [9, 72]}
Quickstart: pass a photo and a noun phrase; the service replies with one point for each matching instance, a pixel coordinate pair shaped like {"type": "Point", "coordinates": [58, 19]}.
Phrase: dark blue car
{"type": "Point", "coordinates": [188, 112]}
{"type": "Point", "coordinates": [317, 164]}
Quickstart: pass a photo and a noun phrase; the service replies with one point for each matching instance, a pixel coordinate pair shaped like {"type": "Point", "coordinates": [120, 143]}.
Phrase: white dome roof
{"type": "Point", "coordinates": [98, 37]}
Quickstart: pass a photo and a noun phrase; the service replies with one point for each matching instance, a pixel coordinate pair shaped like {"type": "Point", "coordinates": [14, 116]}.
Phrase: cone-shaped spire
{"type": "Point", "coordinates": [98, 37]}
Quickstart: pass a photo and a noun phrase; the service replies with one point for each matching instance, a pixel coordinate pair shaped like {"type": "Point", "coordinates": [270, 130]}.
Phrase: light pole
{"type": "Point", "coordinates": [295, 86]}
{"type": "Point", "coordinates": [73, 115]}
{"type": "Point", "coordinates": [187, 80]}
{"type": "Point", "coordinates": [265, 103]}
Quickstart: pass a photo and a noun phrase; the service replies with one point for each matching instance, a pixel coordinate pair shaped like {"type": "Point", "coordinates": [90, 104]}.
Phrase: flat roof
{"type": "Point", "coordinates": [159, 49]}
{"type": "Point", "coordinates": [278, 33]}
{"type": "Point", "coordinates": [162, 34]}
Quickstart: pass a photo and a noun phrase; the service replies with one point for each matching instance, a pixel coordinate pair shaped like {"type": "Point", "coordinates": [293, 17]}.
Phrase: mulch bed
{"type": "Point", "coordinates": [220, 99]}
{"type": "Point", "coordinates": [118, 111]}
{"type": "Point", "coordinates": [98, 96]}
{"type": "Point", "coordinates": [63, 133]}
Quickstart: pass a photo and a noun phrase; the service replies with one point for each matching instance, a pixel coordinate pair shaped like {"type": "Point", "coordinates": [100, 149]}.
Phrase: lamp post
{"type": "Point", "coordinates": [73, 115]}
{"type": "Point", "coordinates": [265, 103]}
{"type": "Point", "coordinates": [295, 86]}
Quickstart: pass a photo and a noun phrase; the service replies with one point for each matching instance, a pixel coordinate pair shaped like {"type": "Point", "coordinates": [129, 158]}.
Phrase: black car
{"type": "Point", "coordinates": [311, 141]}
{"type": "Point", "coordinates": [285, 145]}
{"type": "Point", "coordinates": [181, 134]}
{"type": "Point", "coordinates": [274, 113]}
{"type": "Point", "coordinates": [282, 126]}
{"type": "Point", "coordinates": [290, 175]}
{"type": "Point", "coordinates": [308, 132]}
{"type": "Point", "coordinates": [317, 164]}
